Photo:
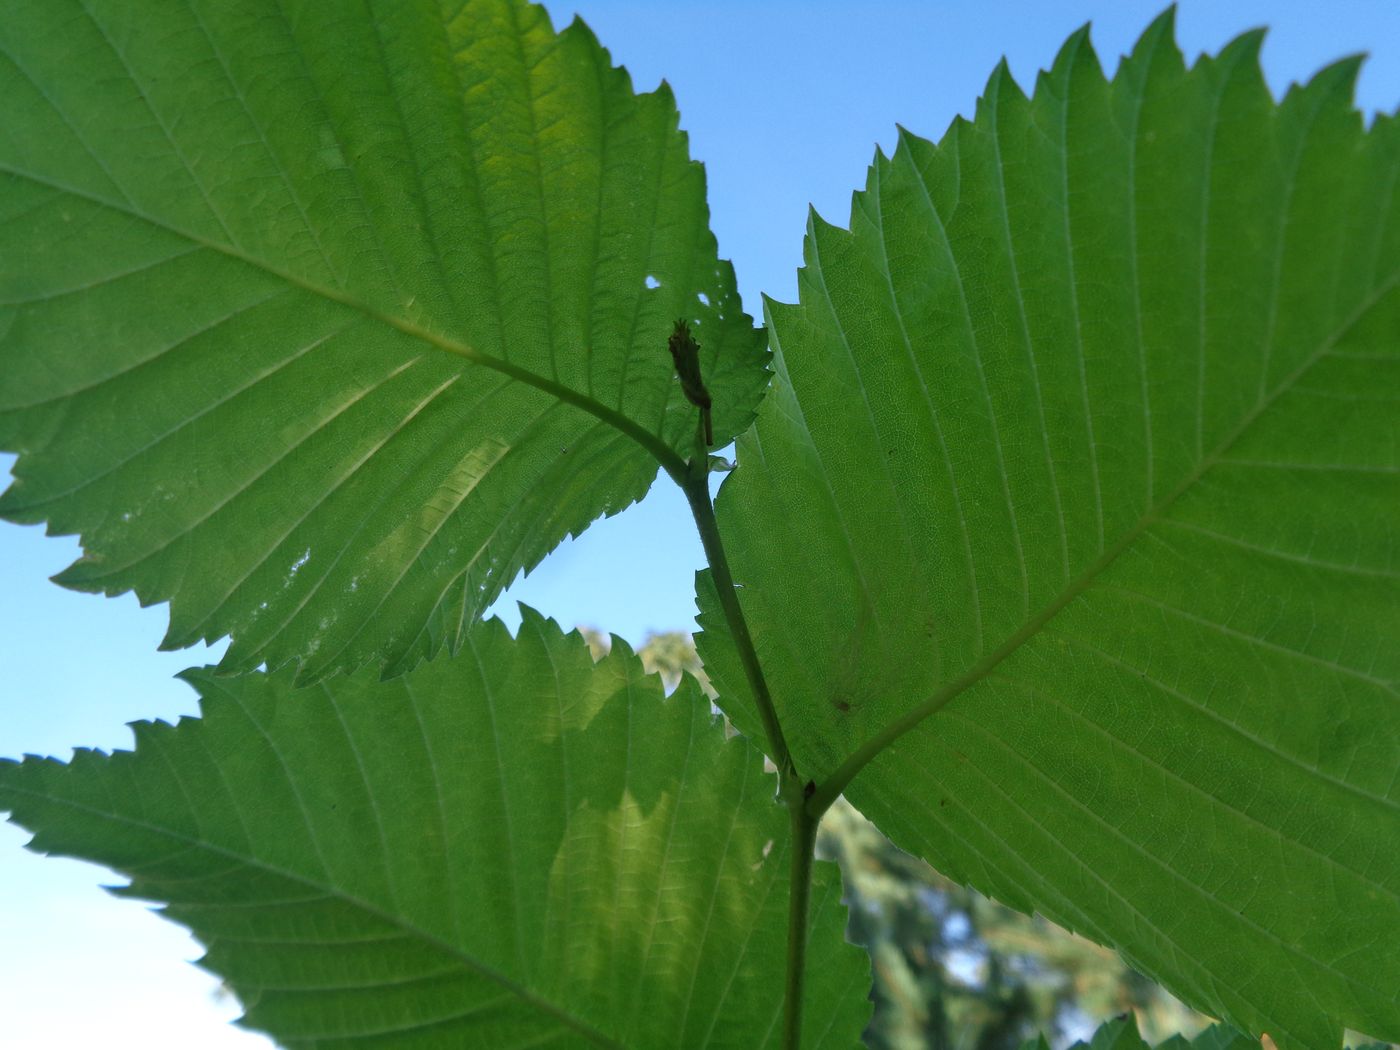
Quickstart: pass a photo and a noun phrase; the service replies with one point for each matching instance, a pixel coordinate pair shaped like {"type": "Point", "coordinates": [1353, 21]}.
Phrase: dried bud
{"type": "Point", "coordinates": [685, 352]}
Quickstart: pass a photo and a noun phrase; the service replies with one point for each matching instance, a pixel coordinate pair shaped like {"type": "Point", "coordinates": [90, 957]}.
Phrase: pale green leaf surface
{"type": "Point", "coordinates": [1079, 488]}
{"type": "Point", "coordinates": [322, 321]}
{"type": "Point", "coordinates": [513, 847]}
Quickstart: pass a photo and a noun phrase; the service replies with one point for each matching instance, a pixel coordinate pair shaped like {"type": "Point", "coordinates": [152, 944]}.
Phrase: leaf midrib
{"type": "Point", "coordinates": [836, 783]}
{"type": "Point", "coordinates": [335, 893]}
{"type": "Point", "coordinates": [651, 443]}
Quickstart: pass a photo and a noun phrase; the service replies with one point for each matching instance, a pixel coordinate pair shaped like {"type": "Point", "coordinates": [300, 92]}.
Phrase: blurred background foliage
{"type": "Point", "coordinates": [956, 971]}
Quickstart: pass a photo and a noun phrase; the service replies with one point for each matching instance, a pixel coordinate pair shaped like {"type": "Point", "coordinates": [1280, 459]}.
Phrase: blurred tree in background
{"type": "Point", "coordinates": [956, 971]}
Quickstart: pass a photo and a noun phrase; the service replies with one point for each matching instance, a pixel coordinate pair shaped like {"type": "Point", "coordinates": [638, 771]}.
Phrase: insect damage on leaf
{"type": "Point", "coordinates": [685, 352]}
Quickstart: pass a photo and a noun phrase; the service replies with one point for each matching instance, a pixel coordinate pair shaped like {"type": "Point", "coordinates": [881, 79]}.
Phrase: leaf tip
{"type": "Point", "coordinates": [1164, 22]}
{"type": "Point", "coordinates": [533, 618]}
{"type": "Point", "coordinates": [75, 576]}
{"type": "Point", "coordinates": [544, 631]}
{"type": "Point", "coordinates": [1339, 77]}
{"type": "Point", "coordinates": [1001, 82]}
{"type": "Point", "coordinates": [1076, 52]}
{"type": "Point", "coordinates": [620, 647]}
{"type": "Point", "coordinates": [819, 228]}
{"type": "Point", "coordinates": [666, 93]}
{"type": "Point", "coordinates": [194, 676]}
{"type": "Point", "coordinates": [1247, 45]}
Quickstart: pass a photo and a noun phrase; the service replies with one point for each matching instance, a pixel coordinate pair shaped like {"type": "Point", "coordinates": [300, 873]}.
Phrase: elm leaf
{"type": "Point", "coordinates": [513, 847]}
{"type": "Point", "coordinates": [1068, 535]}
{"type": "Point", "coordinates": [323, 321]}
{"type": "Point", "coordinates": [1121, 1033]}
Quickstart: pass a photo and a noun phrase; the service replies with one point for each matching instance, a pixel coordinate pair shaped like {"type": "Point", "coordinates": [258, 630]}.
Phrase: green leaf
{"type": "Point", "coordinates": [509, 848]}
{"type": "Point", "coordinates": [1121, 1033]}
{"type": "Point", "coordinates": [1073, 514]}
{"type": "Point", "coordinates": [1216, 1037]}
{"type": "Point", "coordinates": [323, 321]}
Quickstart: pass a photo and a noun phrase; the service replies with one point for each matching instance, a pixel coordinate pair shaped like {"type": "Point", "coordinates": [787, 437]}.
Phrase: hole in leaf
{"type": "Point", "coordinates": [704, 299]}
{"type": "Point", "coordinates": [652, 282]}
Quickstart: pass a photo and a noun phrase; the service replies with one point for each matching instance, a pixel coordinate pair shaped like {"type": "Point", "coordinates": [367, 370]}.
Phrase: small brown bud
{"type": "Point", "coordinates": [685, 352]}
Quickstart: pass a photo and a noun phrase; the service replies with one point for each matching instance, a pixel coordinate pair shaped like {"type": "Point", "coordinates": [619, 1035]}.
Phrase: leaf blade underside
{"type": "Point", "coordinates": [1074, 503]}
{"type": "Point", "coordinates": [510, 847]}
{"type": "Point", "coordinates": [1122, 1034]}
{"type": "Point", "coordinates": [323, 323]}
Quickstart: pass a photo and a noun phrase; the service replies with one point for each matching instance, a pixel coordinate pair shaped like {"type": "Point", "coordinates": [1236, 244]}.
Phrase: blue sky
{"type": "Point", "coordinates": [785, 103]}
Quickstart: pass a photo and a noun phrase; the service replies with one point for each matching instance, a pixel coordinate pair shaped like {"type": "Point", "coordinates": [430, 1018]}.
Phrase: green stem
{"type": "Point", "coordinates": [803, 845]}
{"type": "Point", "coordinates": [695, 483]}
